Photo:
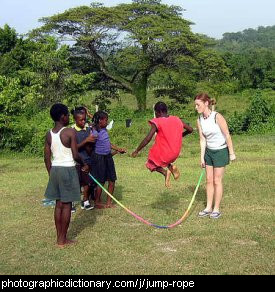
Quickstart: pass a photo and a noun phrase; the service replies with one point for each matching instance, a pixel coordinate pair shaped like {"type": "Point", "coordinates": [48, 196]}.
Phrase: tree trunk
{"type": "Point", "coordinates": [140, 91]}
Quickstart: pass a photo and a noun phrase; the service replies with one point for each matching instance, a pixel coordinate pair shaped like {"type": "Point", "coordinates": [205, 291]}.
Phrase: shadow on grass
{"type": "Point", "coordinates": [82, 220]}
{"type": "Point", "coordinates": [86, 219]}
{"type": "Point", "coordinates": [117, 193]}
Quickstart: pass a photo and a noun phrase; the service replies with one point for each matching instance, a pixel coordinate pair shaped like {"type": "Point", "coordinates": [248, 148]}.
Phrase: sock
{"type": "Point", "coordinates": [86, 203]}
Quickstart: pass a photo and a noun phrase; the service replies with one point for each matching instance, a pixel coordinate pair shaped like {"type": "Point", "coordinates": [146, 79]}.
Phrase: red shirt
{"type": "Point", "coordinates": [167, 146]}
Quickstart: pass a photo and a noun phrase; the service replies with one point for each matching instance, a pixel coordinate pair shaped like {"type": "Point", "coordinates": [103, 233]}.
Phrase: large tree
{"type": "Point", "coordinates": [128, 42]}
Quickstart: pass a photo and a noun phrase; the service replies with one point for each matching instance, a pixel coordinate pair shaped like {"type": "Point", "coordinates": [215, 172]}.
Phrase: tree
{"type": "Point", "coordinates": [8, 39]}
{"type": "Point", "coordinates": [127, 42]}
{"type": "Point", "coordinates": [253, 68]}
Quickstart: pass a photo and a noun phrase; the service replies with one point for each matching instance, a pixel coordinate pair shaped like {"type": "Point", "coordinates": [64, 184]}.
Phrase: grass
{"type": "Point", "coordinates": [114, 242]}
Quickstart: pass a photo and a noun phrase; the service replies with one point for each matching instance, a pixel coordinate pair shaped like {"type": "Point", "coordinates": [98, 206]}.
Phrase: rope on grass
{"type": "Point", "coordinates": [145, 221]}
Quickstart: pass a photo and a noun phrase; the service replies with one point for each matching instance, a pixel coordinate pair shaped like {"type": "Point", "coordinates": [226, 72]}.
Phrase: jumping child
{"type": "Point", "coordinates": [63, 185]}
{"type": "Point", "coordinates": [103, 164]}
{"type": "Point", "coordinates": [168, 142]}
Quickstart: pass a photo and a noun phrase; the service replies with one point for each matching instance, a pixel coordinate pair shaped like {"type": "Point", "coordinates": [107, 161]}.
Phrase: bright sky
{"type": "Point", "coordinates": [211, 17]}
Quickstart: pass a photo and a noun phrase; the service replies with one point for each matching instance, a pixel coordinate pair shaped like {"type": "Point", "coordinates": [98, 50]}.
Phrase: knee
{"type": "Point", "coordinates": [209, 180]}
{"type": "Point", "coordinates": [217, 181]}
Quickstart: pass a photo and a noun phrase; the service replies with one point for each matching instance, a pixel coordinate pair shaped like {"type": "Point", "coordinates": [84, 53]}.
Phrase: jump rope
{"type": "Point", "coordinates": [147, 222]}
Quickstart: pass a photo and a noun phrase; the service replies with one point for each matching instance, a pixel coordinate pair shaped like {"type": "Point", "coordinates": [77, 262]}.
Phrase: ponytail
{"type": "Point", "coordinates": [206, 98]}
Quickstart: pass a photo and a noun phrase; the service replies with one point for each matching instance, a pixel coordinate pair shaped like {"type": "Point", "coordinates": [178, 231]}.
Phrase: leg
{"type": "Point", "coordinates": [111, 187]}
{"type": "Point", "coordinates": [57, 218]}
{"type": "Point", "coordinates": [85, 204]}
{"type": "Point", "coordinates": [86, 193]}
{"type": "Point", "coordinates": [209, 187]}
{"type": "Point", "coordinates": [174, 170]}
{"type": "Point", "coordinates": [167, 175]}
{"type": "Point", "coordinates": [98, 203]}
{"type": "Point", "coordinates": [65, 218]}
{"type": "Point", "coordinates": [218, 187]}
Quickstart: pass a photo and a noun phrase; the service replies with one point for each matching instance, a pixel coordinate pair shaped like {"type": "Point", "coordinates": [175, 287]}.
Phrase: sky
{"type": "Point", "coordinates": [211, 17]}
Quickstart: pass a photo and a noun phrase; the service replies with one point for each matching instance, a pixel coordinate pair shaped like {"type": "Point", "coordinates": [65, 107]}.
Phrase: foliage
{"type": "Point", "coordinates": [8, 39]}
{"type": "Point", "coordinates": [262, 37]}
{"type": "Point", "coordinates": [121, 113]}
{"type": "Point", "coordinates": [127, 42]}
{"type": "Point", "coordinates": [253, 68]}
{"type": "Point", "coordinates": [212, 66]}
{"type": "Point", "coordinates": [258, 117]}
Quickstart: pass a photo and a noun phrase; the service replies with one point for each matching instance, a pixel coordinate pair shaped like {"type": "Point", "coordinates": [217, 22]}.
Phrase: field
{"type": "Point", "coordinates": [113, 242]}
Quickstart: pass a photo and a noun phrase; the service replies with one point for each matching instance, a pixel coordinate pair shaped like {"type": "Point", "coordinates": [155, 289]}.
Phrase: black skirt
{"type": "Point", "coordinates": [103, 167]}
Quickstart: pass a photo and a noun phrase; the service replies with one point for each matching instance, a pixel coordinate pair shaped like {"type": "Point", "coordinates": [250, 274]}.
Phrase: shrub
{"type": "Point", "coordinates": [259, 117]}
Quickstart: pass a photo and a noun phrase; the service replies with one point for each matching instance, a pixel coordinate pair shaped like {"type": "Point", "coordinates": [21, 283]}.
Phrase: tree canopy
{"type": "Point", "coordinates": [129, 42]}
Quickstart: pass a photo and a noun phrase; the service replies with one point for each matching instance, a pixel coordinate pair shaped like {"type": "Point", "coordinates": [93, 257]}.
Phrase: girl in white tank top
{"type": "Point", "coordinates": [214, 141]}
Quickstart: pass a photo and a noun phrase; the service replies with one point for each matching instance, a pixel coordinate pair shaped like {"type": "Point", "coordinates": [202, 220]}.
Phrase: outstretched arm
{"type": "Point", "coordinates": [146, 140]}
{"type": "Point", "coordinates": [118, 149]}
{"type": "Point", "coordinates": [188, 130]}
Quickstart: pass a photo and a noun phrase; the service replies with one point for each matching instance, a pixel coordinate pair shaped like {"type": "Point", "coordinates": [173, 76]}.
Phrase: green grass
{"type": "Point", "coordinates": [114, 242]}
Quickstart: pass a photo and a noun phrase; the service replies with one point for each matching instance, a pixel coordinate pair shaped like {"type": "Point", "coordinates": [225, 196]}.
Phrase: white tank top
{"type": "Point", "coordinates": [214, 137]}
{"type": "Point", "coordinates": [62, 156]}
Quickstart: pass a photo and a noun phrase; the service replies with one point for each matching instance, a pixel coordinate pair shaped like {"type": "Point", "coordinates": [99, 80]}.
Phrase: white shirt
{"type": "Point", "coordinates": [214, 137]}
{"type": "Point", "coordinates": [62, 156]}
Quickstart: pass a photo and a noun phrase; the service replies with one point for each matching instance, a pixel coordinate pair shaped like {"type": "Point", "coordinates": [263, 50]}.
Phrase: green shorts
{"type": "Point", "coordinates": [63, 184]}
{"type": "Point", "coordinates": [217, 158]}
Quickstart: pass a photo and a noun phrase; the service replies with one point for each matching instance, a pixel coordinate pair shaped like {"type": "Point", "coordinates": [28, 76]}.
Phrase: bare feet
{"type": "Point", "coordinates": [167, 178]}
{"type": "Point", "coordinates": [175, 171]}
{"type": "Point", "coordinates": [99, 206]}
{"type": "Point", "coordinates": [110, 205]}
{"type": "Point", "coordinates": [67, 242]}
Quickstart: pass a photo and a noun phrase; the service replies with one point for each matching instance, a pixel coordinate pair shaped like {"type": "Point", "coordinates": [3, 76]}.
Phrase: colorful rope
{"type": "Point", "coordinates": [145, 221]}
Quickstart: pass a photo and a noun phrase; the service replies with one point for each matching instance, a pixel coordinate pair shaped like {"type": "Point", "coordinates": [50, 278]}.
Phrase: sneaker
{"type": "Point", "coordinates": [204, 213]}
{"type": "Point", "coordinates": [215, 215]}
{"type": "Point", "coordinates": [86, 206]}
{"type": "Point", "coordinates": [73, 210]}
{"type": "Point", "coordinates": [48, 202]}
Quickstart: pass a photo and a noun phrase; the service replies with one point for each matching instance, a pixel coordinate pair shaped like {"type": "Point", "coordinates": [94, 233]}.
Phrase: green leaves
{"type": "Point", "coordinates": [128, 42]}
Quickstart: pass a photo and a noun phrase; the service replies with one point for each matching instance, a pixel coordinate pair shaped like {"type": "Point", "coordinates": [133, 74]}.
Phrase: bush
{"type": "Point", "coordinates": [259, 117]}
{"type": "Point", "coordinates": [236, 123]}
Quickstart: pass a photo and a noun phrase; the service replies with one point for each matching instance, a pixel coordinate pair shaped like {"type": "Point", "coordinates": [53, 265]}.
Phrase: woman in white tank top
{"type": "Point", "coordinates": [216, 151]}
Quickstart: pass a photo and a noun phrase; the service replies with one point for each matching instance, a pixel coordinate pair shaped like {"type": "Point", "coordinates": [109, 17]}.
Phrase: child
{"type": "Point", "coordinates": [63, 185]}
{"type": "Point", "coordinates": [167, 146]}
{"type": "Point", "coordinates": [85, 143]}
{"type": "Point", "coordinates": [103, 164]}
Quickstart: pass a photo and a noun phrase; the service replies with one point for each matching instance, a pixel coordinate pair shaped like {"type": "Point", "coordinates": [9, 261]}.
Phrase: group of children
{"type": "Point", "coordinates": [89, 146]}
{"type": "Point", "coordinates": [95, 148]}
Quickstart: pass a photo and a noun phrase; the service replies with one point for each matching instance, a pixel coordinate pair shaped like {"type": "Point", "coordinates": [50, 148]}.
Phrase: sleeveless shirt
{"type": "Point", "coordinates": [215, 139]}
{"type": "Point", "coordinates": [62, 156]}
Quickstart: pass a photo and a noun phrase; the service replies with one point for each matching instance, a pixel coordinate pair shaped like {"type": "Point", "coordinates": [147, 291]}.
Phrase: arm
{"type": "Point", "coordinates": [202, 143]}
{"type": "Point", "coordinates": [188, 130]}
{"type": "Point", "coordinates": [73, 146]}
{"type": "Point", "coordinates": [117, 149]}
{"type": "Point", "coordinates": [89, 139]}
{"type": "Point", "coordinates": [47, 152]}
{"type": "Point", "coordinates": [88, 113]}
{"type": "Point", "coordinates": [224, 128]}
{"type": "Point", "coordinates": [146, 140]}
